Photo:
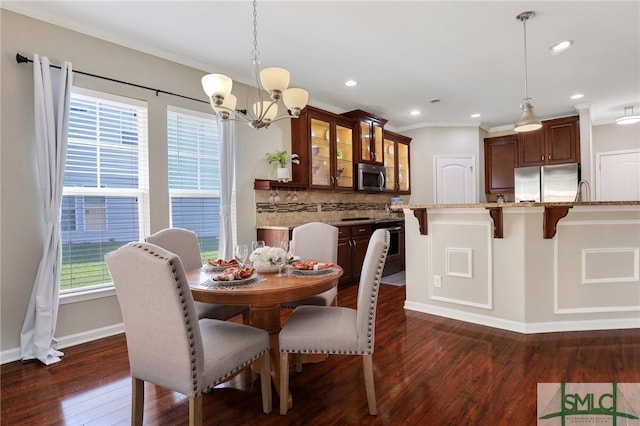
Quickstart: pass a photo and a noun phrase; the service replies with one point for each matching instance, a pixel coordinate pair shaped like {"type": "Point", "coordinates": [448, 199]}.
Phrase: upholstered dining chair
{"type": "Point", "coordinates": [167, 344]}
{"type": "Point", "coordinates": [339, 330]}
{"type": "Point", "coordinates": [184, 243]}
{"type": "Point", "coordinates": [318, 241]}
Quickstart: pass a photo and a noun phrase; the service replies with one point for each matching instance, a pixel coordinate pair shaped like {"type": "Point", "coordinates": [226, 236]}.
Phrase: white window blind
{"type": "Point", "coordinates": [194, 175]}
{"type": "Point", "coordinates": [104, 203]}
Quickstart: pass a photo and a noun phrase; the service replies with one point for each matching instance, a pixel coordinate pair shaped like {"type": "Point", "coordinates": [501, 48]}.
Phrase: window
{"type": "Point", "coordinates": [194, 176]}
{"type": "Point", "coordinates": [105, 185]}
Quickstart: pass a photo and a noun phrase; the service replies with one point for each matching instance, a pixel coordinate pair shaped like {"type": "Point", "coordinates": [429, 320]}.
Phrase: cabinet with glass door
{"type": "Point", "coordinates": [324, 142]}
{"type": "Point", "coordinates": [397, 163]}
{"type": "Point", "coordinates": [369, 136]}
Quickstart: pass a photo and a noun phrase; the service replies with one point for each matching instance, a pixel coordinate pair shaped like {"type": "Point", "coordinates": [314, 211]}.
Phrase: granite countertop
{"type": "Point", "coordinates": [513, 204]}
{"type": "Point", "coordinates": [367, 221]}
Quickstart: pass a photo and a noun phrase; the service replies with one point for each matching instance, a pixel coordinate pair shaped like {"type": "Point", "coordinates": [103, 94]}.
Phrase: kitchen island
{"type": "Point", "coordinates": [526, 267]}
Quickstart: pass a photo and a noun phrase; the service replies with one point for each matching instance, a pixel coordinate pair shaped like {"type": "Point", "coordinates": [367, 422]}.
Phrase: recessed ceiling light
{"type": "Point", "coordinates": [475, 115]}
{"type": "Point", "coordinates": [415, 112]}
{"type": "Point", "coordinates": [350, 83]}
{"type": "Point", "coordinates": [560, 46]}
{"type": "Point", "coordinates": [577, 96]}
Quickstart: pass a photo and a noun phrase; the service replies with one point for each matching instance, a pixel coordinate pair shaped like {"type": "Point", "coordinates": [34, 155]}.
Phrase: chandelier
{"type": "Point", "coordinates": [273, 80]}
{"type": "Point", "coordinates": [528, 121]}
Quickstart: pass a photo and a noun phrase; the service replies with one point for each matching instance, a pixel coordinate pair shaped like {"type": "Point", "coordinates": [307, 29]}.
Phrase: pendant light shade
{"type": "Point", "coordinates": [528, 122]}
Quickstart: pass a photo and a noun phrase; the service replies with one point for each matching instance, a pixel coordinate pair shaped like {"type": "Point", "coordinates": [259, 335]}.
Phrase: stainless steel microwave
{"type": "Point", "coordinates": [370, 177]}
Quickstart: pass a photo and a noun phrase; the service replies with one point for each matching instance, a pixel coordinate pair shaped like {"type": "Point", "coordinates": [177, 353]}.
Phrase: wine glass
{"type": "Point", "coordinates": [290, 251]}
{"type": "Point", "coordinates": [281, 261]}
{"type": "Point", "coordinates": [257, 245]}
{"type": "Point", "coordinates": [241, 253]}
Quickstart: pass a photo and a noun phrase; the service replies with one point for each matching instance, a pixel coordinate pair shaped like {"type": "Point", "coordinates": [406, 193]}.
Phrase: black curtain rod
{"type": "Point", "coordinates": [23, 60]}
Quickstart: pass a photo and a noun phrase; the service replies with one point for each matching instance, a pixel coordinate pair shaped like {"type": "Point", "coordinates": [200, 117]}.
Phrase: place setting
{"type": "Point", "coordinates": [233, 277]}
{"type": "Point", "coordinates": [232, 273]}
{"type": "Point", "coordinates": [305, 268]}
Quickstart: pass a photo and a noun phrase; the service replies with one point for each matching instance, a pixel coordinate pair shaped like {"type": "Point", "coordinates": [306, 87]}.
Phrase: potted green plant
{"type": "Point", "coordinates": [282, 159]}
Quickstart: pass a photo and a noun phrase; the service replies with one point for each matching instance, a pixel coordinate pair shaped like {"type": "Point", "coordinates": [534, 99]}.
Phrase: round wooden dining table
{"type": "Point", "coordinates": [264, 298]}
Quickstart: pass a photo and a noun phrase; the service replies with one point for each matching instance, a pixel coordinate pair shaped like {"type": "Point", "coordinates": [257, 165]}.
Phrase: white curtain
{"type": "Point", "coordinates": [227, 173]}
{"type": "Point", "coordinates": [51, 114]}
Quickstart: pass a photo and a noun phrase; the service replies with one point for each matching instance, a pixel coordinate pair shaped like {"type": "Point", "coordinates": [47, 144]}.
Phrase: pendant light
{"type": "Point", "coordinates": [528, 121]}
{"type": "Point", "coordinates": [259, 113]}
{"type": "Point", "coordinates": [628, 118]}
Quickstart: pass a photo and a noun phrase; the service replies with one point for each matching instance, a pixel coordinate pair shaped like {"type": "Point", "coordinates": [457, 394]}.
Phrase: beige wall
{"type": "Point", "coordinates": [21, 226]}
{"type": "Point", "coordinates": [432, 141]}
{"type": "Point", "coordinates": [614, 137]}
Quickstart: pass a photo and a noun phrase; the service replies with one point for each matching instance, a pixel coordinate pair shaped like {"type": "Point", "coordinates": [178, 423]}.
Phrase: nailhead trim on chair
{"type": "Point", "coordinates": [187, 322]}
{"type": "Point", "coordinates": [370, 331]}
{"type": "Point", "coordinates": [189, 330]}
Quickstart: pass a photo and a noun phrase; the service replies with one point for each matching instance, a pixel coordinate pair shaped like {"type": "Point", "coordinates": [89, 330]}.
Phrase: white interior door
{"type": "Point", "coordinates": [618, 176]}
{"type": "Point", "coordinates": [455, 180]}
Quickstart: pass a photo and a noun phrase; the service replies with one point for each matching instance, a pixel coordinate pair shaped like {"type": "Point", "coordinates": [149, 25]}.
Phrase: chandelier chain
{"type": "Point", "coordinates": [255, 53]}
{"type": "Point", "coordinates": [258, 112]}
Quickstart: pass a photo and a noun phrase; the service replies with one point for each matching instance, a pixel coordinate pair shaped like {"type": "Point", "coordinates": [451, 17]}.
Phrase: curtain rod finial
{"type": "Point", "coordinates": [21, 59]}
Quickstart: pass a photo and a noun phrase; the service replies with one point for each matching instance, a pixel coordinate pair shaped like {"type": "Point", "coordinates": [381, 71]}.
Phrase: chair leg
{"type": "Point", "coordinates": [367, 361]}
{"type": "Point", "coordinates": [246, 317]}
{"type": "Point", "coordinates": [195, 410]}
{"type": "Point", "coordinates": [265, 382]}
{"type": "Point", "coordinates": [298, 362]}
{"type": "Point", "coordinates": [137, 401]}
{"type": "Point", "coordinates": [284, 382]}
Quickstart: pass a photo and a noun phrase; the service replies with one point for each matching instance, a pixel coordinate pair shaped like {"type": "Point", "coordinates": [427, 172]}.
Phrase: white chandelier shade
{"type": "Point", "coordinates": [274, 79]}
{"type": "Point", "coordinates": [217, 85]}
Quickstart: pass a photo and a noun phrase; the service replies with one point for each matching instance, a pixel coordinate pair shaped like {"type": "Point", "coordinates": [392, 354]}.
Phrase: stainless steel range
{"type": "Point", "coordinates": [395, 256]}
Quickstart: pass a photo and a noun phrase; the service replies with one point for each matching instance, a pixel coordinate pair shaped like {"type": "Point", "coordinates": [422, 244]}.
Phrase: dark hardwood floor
{"type": "Point", "coordinates": [428, 370]}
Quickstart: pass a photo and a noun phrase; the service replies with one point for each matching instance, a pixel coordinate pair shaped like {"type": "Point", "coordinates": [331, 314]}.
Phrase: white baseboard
{"type": "Point", "coordinates": [521, 327]}
{"type": "Point", "coordinates": [11, 355]}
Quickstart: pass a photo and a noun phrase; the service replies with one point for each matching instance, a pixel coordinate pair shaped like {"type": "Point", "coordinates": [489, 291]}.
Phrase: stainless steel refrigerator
{"type": "Point", "coordinates": [557, 183]}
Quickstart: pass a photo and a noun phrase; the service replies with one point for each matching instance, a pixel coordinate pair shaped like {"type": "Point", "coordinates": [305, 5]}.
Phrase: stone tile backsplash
{"type": "Point", "coordinates": [317, 206]}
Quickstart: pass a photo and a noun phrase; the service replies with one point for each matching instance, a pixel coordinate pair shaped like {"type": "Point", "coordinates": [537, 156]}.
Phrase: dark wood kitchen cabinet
{"type": "Point", "coordinates": [325, 144]}
{"type": "Point", "coordinates": [368, 136]}
{"type": "Point", "coordinates": [397, 163]}
{"type": "Point", "coordinates": [557, 142]}
{"type": "Point", "coordinates": [352, 247]}
{"type": "Point", "coordinates": [500, 160]}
